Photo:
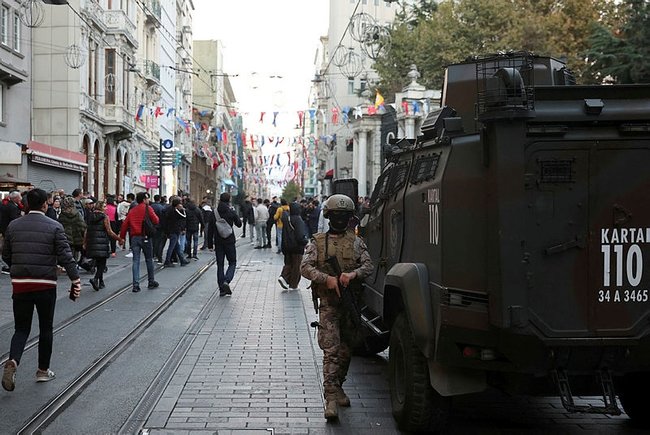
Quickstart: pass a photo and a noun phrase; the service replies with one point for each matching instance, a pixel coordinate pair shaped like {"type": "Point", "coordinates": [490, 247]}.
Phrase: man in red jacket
{"type": "Point", "coordinates": [133, 224]}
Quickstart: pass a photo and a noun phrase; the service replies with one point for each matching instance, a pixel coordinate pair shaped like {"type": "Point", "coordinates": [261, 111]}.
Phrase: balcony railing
{"type": "Point", "coordinates": [120, 116]}
{"type": "Point", "coordinates": [95, 12]}
{"type": "Point", "coordinates": [154, 12]}
{"type": "Point", "coordinates": [91, 107]}
{"type": "Point", "coordinates": [152, 71]}
{"type": "Point", "coordinates": [117, 21]}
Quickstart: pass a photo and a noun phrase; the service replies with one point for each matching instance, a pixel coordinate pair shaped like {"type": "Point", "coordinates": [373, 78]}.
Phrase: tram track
{"type": "Point", "coordinates": [33, 342]}
{"type": "Point", "coordinates": [41, 419]}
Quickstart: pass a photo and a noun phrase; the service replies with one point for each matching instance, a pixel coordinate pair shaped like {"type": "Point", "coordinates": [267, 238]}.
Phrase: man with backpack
{"type": "Point", "coordinates": [224, 244]}
{"type": "Point", "coordinates": [294, 239]}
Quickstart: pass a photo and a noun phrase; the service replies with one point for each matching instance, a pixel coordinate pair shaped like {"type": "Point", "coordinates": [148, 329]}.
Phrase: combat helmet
{"type": "Point", "coordinates": [338, 202]}
{"type": "Point", "coordinates": [339, 209]}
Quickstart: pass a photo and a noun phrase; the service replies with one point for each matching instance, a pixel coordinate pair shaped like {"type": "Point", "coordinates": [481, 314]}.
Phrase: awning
{"type": "Point", "coordinates": [329, 174]}
{"type": "Point", "coordinates": [8, 181]}
{"type": "Point", "coordinates": [228, 182]}
{"type": "Point", "coordinates": [57, 157]}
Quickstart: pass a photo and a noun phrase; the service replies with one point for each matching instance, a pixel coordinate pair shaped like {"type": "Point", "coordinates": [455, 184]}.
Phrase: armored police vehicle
{"type": "Point", "coordinates": [510, 243]}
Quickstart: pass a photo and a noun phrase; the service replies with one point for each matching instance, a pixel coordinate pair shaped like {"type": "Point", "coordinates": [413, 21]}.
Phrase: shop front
{"type": "Point", "coordinates": [51, 168]}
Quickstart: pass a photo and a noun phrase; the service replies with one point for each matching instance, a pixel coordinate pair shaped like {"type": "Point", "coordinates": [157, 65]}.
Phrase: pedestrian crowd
{"type": "Point", "coordinates": [43, 235]}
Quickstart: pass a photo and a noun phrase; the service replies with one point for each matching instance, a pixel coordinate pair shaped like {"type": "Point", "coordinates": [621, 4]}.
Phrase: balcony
{"type": "Point", "coordinates": [119, 122]}
{"type": "Point", "coordinates": [94, 13]}
{"type": "Point", "coordinates": [152, 71]}
{"type": "Point", "coordinates": [153, 12]}
{"type": "Point", "coordinates": [91, 108]}
{"type": "Point", "coordinates": [118, 22]}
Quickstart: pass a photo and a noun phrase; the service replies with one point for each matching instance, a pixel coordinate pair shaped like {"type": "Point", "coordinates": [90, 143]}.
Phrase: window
{"type": "Point", "coordinates": [350, 85]}
{"type": "Point", "coordinates": [109, 73]}
{"type": "Point", "coordinates": [425, 168]}
{"type": "Point", "coordinates": [363, 84]}
{"type": "Point", "coordinates": [376, 2]}
{"type": "Point", "coordinates": [17, 31]}
{"type": "Point", "coordinates": [4, 25]}
{"type": "Point", "coordinates": [379, 192]}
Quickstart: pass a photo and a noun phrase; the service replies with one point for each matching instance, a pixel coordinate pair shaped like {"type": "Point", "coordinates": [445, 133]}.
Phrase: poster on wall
{"type": "Point", "coordinates": [127, 185]}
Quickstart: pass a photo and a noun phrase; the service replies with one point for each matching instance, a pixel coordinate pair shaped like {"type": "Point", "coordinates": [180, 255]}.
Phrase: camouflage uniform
{"type": "Point", "coordinates": [336, 333]}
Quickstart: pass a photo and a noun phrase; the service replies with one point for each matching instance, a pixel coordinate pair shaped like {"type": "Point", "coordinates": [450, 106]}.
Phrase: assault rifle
{"type": "Point", "coordinates": [347, 298]}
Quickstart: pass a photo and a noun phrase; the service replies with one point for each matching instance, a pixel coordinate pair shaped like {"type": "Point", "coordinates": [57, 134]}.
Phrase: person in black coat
{"type": "Point", "coordinates": [294, 240]}
{"type": "Point", "coordinates": [208, 226]}
{"type": "Point", "coordinates": [97, 242]}
{"type": "Point", "coordinates": [194, 220]}
{"type": "Point", "coordinates": [175, 224]}
{"type": "Point", "coordinates": [224, 247]}
{"type": "Point", "coordinates": [245, 209]}
{"type": "Point", "coordinates": [34, 245]}
{"type": "Point", "coordinates": [273, 207]}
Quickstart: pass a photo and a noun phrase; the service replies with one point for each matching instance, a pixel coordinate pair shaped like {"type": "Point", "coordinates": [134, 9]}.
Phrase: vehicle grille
{"type": "Point", "coordinates": [470, 300]}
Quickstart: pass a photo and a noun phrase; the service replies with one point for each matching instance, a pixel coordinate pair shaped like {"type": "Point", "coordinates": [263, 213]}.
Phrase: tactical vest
{"type": "Point", "coordinates": [340, 247]}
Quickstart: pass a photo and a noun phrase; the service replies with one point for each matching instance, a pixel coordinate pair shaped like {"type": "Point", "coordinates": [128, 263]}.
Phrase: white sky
{"type": "Point", "coordinates": [264, 38]}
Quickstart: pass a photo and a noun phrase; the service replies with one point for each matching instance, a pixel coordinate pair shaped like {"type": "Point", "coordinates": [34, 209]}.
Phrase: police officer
{"type": "Point", "coordinates": [336, 332]}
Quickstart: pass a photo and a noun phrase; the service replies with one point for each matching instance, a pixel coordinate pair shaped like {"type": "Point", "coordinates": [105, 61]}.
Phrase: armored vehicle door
{"type": "Point", "coordinates": [385, 229]}
{"type": "Point", "coordinates": [586, 237]}
{"type": "Point", "coordinates": [619, 191]}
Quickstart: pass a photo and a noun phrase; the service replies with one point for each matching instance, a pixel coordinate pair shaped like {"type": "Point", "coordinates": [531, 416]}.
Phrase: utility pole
{"type": "Point", "coordinates": [160, 167]}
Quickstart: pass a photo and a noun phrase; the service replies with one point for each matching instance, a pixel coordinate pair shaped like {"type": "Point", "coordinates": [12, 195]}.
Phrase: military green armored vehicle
{"type": "Point", "coordinates": [511, 241]}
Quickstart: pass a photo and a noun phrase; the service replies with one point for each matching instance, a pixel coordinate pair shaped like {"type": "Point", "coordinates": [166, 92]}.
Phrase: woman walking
{"type": "Point", "coordinates": [96, 242]}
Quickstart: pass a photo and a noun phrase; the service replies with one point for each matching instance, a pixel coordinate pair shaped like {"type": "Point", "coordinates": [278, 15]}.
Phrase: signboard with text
{"type": "Point", "coordinates": [151, 181]}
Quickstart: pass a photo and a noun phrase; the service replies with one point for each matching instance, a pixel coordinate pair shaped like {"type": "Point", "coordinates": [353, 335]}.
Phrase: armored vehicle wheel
{"type": "Point", "coordinates": [416, 405]}
{"type": "Point", "coordinates": [632, 392]}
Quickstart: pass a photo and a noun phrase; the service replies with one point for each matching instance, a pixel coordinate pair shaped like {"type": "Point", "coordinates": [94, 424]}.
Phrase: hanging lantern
{"type": "Point", "coordinates": [359, 24]}
{"type": "Point", "coordinates": [353, 65]}
{"type": "Point", "coordinates": [109, 82]}
{"type": "Point", "coordinates": [74, 56]}
{"type": "Point", "coordinates": [339, 56]}
{"type": "Point", "coordinates": [376, 42]}
{"type": "Point", "coordinates": [32, 13]}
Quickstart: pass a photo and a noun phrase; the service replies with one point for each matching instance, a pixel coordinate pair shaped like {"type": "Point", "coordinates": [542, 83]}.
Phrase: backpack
{"type": "Point", "coordinates": [148, 228]}
{"type": "Point", "coordinates": [223, 227]}
{"type": "Point", "coordinates": [293, 240]}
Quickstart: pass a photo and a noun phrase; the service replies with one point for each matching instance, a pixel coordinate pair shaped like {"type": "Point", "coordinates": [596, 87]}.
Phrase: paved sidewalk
{"type": "Point", "coordinates": [255, 365]}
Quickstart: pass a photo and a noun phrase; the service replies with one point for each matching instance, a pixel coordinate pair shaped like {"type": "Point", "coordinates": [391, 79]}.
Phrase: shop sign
{"type": "Point", "coordinates": [57, 163]}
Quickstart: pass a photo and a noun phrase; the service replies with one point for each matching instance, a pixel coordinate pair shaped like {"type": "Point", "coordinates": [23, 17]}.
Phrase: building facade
{"type": "Point", "coordinates": [215, 121]}
{"type": "Point", "coordinates": [107, 93]}
{"type": "Point", "coordinates": [343, 72]}
{"type": "Point", "coordinates": [15, 98]}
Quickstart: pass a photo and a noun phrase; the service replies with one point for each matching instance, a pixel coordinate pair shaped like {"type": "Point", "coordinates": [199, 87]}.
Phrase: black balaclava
{"type": "Point", "coordinates": [339, 221]}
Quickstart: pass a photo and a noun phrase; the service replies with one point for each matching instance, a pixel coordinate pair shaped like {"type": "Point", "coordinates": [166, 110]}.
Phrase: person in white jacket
{"type": "Point", "coordinates": [323, 222]}
{"type": "Point", "coordinates": [261, 214]}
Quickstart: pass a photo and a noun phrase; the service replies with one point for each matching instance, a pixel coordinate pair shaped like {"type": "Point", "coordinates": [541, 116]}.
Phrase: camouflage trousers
{"type": "Point", "coordinates": [335, 338]}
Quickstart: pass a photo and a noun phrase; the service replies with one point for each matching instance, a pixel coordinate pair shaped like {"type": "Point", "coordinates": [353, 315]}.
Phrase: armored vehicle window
{"type": "Point", "coordinates": [380, 189]}
{"type": "Point", "coordinates": [556, 171]}
{"type": "Point", "coordinates": [398, 178]}
{"type": "Point", "coordinates": [425, 168]}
